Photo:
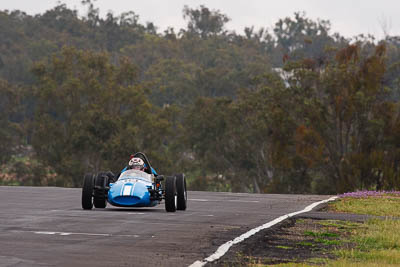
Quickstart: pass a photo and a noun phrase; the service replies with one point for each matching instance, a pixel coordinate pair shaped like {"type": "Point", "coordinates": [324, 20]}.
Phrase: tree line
{"type": "Point", "coordinates": [295, 109]}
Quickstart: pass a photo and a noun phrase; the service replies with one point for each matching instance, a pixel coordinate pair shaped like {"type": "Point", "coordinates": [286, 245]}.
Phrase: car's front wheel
{"type": "Point", "coordinates": [99, 196]}
{"type": "Point", "coordinates": [170, 194]}
{"type": "Point", "coordinates": [87, 192]}
{"type": "Point", "coordinates": [181, 191]}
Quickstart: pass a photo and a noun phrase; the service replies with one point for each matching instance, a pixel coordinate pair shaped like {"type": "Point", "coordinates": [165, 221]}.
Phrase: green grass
{"type": "Point", "coordinates": [376, 242]}
{"type": "Point", "coordinates": [379, 234]}
{"type": "Point", "coordinates": [367, 258]}
{"type": "Point", "coordinates": [328, 242]}
{"type": "Point", "coordinates": [284, 247]}
{"type": "Point", "coordinates": [306, 244]}
{"type": "Point", "coordinates": [320, 234]}
{"type": "Point", "coordinates": [291, 264]}
{"type": "Point", "coordinates": [340, 225]}
{"type": "Point", "coordinates": [379, 206]}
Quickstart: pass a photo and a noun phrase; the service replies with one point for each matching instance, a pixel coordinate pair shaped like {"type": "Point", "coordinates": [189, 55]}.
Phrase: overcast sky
{"type": "Point", "coordinates": [348, 17]}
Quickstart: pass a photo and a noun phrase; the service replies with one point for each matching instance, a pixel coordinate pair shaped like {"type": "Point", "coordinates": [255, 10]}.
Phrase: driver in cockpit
{"type": "Point", "coordinates": [137, 164]}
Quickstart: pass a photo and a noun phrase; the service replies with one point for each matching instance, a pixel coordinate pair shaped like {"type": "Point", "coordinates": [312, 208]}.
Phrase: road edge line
{"type": "Point", "coordinates": [226, 246]}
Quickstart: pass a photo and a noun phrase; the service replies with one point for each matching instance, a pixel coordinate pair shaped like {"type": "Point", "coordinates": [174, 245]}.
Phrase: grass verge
{"type": "Point", "coordinates": [379, 206]}
{"type": "Point", "coordinates": [316, 242]}
{"type": "Point", "coordinates": [373, 243]}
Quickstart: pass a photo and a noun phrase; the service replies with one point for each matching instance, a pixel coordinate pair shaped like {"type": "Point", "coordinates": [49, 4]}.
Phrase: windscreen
{"type": "Point", "coordinates": [129, 174]}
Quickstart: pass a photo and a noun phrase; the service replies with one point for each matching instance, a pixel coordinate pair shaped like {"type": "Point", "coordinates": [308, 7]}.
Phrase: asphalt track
{"type": "Point", "coordinates": [45, 226]}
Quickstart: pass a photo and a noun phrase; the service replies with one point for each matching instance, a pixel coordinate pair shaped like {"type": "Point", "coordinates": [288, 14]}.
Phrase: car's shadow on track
{"type": "Point", "coordinates": [131, 210]}
{"type": "Point", "coordinates": [123, 210]}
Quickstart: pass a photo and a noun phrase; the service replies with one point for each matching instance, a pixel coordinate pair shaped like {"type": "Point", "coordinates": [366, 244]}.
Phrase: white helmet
{"type": "Point", "coordinates": [136, 164]}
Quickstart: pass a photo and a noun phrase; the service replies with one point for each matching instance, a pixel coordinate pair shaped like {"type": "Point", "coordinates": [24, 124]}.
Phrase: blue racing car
{"type": "Point", "coordinates": [138, 185]}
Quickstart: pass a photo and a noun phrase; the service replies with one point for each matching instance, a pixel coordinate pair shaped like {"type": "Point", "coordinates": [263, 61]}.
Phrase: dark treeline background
{"type": "Point", "coordinates": [293, 109]}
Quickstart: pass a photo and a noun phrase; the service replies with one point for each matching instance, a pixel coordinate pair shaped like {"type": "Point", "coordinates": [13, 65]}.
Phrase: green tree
{"type": "Point", "coordinates": [301, 37]}
{"type": "Point", "coordinates": [247, 142]}
{"type": "Point", "coordinates": [172, 82]}
{"type": "Point", "coordinates": [9, 128]}
{"type": "Point", "coordinates": [90, 114]}
{"type": "Point", "coordinates": [205, 22]}
{"type": "Point", "coordinates": [339, 108]}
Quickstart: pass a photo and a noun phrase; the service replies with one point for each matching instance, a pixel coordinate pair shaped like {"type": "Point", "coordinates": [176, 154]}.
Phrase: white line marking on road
{"type": "Point", "coordinates": [207, 215]}
{"type": "Point", "coordinates": [197, 199]}
{"type": "Point", "coordinates": [68, 234]}
{"type": "Point", "coordinates": [65, 233]}
{"type": "Point", "coordinates": [225, 247]}
{"type": "Point", "coordinates": [136, 213]}
{"type": "Point", "coordinates": [46, 233]}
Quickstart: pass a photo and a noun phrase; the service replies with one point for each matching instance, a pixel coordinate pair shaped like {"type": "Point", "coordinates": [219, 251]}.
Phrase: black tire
{"type": "Point", "coordinates": [87, 192]}
{"type": "Point", "coordinates": [99, 196]}
{"type": "Point", "coordinates": [170, 194]}
{"type": "Point", "coordinates": [181, 192]}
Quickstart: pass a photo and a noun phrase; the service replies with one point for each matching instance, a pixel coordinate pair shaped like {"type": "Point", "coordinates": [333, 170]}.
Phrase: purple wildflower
{"type": "Point", "coordinates": [366, 193]}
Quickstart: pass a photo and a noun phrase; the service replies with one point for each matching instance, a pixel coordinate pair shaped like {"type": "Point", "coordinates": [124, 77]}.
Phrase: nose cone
{"type": "Point", "coordinates": [129, 194]}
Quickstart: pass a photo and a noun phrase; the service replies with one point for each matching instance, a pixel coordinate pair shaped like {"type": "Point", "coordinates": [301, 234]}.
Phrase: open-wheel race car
{"type": "Point", "coordinates": [134, 188]}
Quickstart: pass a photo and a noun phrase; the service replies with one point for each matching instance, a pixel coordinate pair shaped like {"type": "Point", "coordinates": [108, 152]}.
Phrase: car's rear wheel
{"type": "Point", "coordinates": [170, 194]}
{"type": "Point", "coordinates": [181, 191]}
{"type": "Point", "coordinates": [99, 196]}
{"type": "Point", "coordinates": [87, 192]}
